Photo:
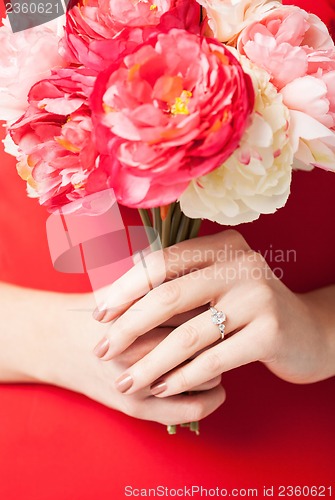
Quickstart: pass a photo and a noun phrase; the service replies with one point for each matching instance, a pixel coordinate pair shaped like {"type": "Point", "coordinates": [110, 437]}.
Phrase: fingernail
{"type": "Point", "coordinates": [99, 315]}
{"type": "Point", "coordinates": [124, 383]}
{"type": "Point", "coordinates": [158, 387]}
{"type": "Point", "coordinates": [101, 349]}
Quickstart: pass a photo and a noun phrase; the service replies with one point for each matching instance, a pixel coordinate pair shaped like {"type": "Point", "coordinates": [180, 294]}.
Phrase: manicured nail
{"type": "Point", "coordinates": [124, 383]}
{"type": "Point", "coordinates": [99, 315]}
{"type": "Point", "coordinates": [158, 387]}
{"type": "Point", "coordinates": [101, 349]}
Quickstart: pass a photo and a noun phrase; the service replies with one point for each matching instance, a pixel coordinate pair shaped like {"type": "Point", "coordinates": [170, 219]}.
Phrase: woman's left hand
{"type": "Point", "coordinates": [265, 320]}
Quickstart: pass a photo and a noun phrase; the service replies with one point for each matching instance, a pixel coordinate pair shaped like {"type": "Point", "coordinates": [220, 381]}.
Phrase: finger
{"type": "Point", "coordinates": [179, 319]}
{"type": "Point", "coordinates": [208, 385]}
{"type": "Point", "coordinates": [183, 408]}
{"type": "Point", "coordinates": [178, 347]}
{"type": "Point", "coordinates": [175, 297]}
{"type": "Point", "coordinates": [153, 269]}
{"type": "Point", "coordinates": [242, 348]}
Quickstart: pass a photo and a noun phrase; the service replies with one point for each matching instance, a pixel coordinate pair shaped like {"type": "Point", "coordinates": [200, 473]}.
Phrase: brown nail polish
{"type": "Point", "coordinates": [99, 315]}
{"type": "Point", "coordinates": [158, 387]}
{"type": "Point", "coordinates": [124, 383]}
{"type": "Point", "coordinates": [101, 349]}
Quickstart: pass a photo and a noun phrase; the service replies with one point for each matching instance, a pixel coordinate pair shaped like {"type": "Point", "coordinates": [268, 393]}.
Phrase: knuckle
{"type": "Point", "coordinates": [168, 293]}
{"type": "Point", "coordinates": [187, 336]}
{"type": "Point", "coordinates": [264, 342]}
{"type": "Point", "coordinates": [235, 238]}
{"type": "Point", "coordinates": [265, 295]}
{"type": "Point", "coordinates": [212, 363]}
{"type": "Point", "coordinates": [183, 383]}
{"type": "Point", "coordinates": [120, 331]}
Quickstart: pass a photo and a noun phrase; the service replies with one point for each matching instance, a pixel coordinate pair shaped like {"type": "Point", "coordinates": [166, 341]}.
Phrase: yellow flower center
{"type": "Point", "coordinates": [180, 105]}
{"type": "Point", "coordinates": [79, 185]}
{"type": "Point", "coordinates": [153, 7]}
{"type": "Point", "coordinates": [107, 109]}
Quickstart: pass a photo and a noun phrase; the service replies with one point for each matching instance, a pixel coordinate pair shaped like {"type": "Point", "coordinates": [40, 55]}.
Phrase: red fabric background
{"type": "Point", "coordinates": [56, 445]}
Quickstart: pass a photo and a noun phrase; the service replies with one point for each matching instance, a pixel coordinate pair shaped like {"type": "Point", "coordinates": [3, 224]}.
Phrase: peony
{"type": "Point", "coordinates": [256, 178]}
{"type": "Point", "coordinates": [298, 52]}
{"type": "Point", "coordinates": [173, 110]}
{"type": "Point", "coordinates": [98, 32]}
{"type": "Point", "coordinates": [282, 41]}
{"type": "Point", "coordinates": [227, 18]}
{"type": "Point", "coordinates": [26, 57]}
{"type": "Point", "coordinates": [57, 156]}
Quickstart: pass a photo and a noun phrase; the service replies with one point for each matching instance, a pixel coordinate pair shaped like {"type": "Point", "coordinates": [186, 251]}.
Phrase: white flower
{"type": "Point", "coordinates": [25, 58]}
{"type": "Point", "coordinates": [256, 178]}
{"type": "Point", "coordinates": [227, 18]}
{"type": "Point", "coordinates": [10, 147]}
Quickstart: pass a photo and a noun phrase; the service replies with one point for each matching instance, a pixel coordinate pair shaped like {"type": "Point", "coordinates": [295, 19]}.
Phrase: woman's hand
{"type": "Point", "coordinates": [48, 337]}
{"type": "Point", "coordinates": [293, 335]}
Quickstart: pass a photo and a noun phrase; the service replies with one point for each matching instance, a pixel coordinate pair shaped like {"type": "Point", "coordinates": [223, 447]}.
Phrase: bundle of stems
{"type": "Point", "coordinates": [172, 226]}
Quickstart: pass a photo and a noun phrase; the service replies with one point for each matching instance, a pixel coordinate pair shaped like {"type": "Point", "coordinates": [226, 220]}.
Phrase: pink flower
{"type": "Point", "coordinates": [56, 151]}
{"type": "Point", "coordinates": [227, 18]}
{"type": "Point", "coordinates": [99, 31]}
{"type": "Point", "coordinates": [26, 57]}
{"type": "Point", "coordinates": [173, 110]}
{"type": "Point", "coordinates": [298, 52]}
{"type": "Point", "coordinates": [281, 42]}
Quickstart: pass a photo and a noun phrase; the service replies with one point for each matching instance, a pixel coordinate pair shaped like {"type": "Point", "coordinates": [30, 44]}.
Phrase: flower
{"type": "Point", "coordinates": [256, 178]}
{"type": "Point", "coordinates": [98, 32]}
{"type": "Point", "coordinates": [26, 57]}
{"type": "Point", "coordinates": [227, 18]}
{"type": "Point", "coordinates": [281, 43]}
{"type": "Point", "coordinates": [296, 49]}
{"type": "Point", "coordinates": [173, 110]}
{"type": "Point", "coordinates": [57, 155]}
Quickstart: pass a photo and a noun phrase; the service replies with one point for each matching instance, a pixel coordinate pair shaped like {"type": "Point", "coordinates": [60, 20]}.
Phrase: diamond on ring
{"type": "Point", "coordinates": [218, 318]}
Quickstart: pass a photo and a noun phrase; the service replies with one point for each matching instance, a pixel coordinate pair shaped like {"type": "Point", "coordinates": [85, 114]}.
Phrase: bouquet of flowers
{"type": "Point", "coordinates": [187, 109]}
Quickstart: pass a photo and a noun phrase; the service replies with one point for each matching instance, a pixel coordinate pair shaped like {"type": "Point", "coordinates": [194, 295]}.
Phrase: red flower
{"type": "Point", "coordinates": [98, 32]}
{"type": "Point", "coordinates": [54, 136]}
{"type": "Point", "coordinates": [173, 110]}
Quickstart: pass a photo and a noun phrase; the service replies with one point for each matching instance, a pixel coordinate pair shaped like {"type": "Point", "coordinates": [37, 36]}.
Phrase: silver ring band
{"type": "Point", "coordinates": [218, 318]}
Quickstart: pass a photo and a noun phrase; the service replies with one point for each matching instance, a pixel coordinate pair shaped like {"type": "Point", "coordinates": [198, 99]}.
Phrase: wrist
{"type": "Point", "coordinates": [321, 308]}
{"type": "Point", "coordinates": [65, 333]}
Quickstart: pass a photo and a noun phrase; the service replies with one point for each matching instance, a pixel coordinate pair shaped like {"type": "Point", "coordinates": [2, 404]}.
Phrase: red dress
{"type": "Point", "coordinates": [57, 445]}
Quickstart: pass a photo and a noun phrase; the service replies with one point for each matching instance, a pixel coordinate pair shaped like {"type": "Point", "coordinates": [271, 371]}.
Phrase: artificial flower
{"type": "Point", "coordinates": [282, 41]}
{"type": "Point", "coordinates": [227, 18]}
{"type": "Point", "coordinates": [298, 52]}
{"type": "Point", "coordinates": [256, 178]}
{"type": "Point", "coordinates": [26, 57]}
{"type": "Point", "coordinates": [98, 32]}
{"type": "Point", "coordinates": [54, 138]}
{"type": "Point", "coordinates": [173, 110]}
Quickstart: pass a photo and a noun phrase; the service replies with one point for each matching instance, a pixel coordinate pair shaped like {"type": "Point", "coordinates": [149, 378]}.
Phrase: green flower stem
{"type": "Point", "coordinates": [146, 221]}
{"type": "Point", "coordinates": [145, 217]}
{"type": "Point", "coordinates": [176, 217]}
{"type": "Point", "coordinates": [176, 227]}
{"type": "Point", "coordinates": [183, 229]}
{"type": "Point", "coordinates": [172, 429]}
{"type": "Point", "coordinates": [194, 427]}
{"type": "Point", "coordinates": [166, 226]}
{"type": "Point", "coordinates": [157, 221]}
{"type": "Point", "coordinates": [194, 229]}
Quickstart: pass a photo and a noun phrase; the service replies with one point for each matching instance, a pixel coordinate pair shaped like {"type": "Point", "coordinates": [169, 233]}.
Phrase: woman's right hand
{"type": "Point", "coordinates": [61, 354]}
